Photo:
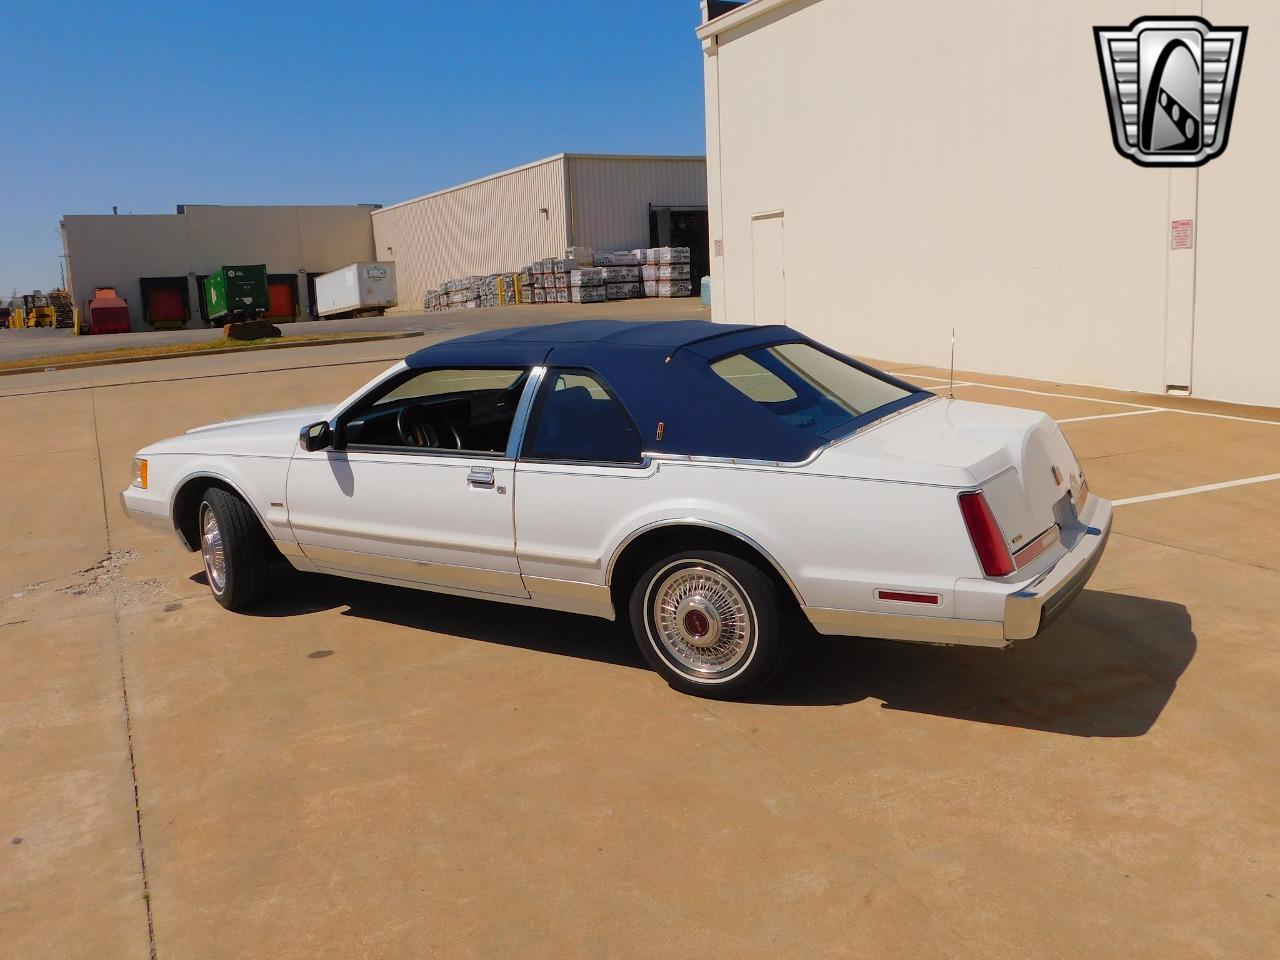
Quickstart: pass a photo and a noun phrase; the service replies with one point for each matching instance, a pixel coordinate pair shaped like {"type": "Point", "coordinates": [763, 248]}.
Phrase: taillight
{"type": "Point", "coordinates": [985, 533]}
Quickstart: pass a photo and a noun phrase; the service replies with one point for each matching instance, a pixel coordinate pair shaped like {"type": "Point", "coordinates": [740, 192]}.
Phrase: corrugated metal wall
{"type": "Point", "coordinates": [486, 226]}
{"type": "Point", "coordinates": [610, 196]}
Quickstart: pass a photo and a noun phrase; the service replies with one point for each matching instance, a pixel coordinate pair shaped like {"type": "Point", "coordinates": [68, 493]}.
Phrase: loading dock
{"type": "Point", "coordinates": [165, 305]}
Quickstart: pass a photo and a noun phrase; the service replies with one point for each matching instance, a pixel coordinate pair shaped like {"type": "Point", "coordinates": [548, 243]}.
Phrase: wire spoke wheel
{"type": "Point", "coordinates": [212, 550]}
{"type": "Point", "coordinates": [702, 618]}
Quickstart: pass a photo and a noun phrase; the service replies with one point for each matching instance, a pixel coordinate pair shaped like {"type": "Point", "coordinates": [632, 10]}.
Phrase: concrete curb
{"type": "Point", "coordinates": [113, 361]}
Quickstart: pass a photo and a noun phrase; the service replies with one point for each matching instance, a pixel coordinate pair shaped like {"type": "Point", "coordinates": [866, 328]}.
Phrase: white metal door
{"type": "Point", "coordinates": [437, 519]}
{"type": "Point", "coordinates": [768, 268]}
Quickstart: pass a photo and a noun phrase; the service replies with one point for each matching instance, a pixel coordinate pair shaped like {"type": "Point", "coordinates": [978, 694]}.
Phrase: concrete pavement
{"type": "Point", "coordinates": [356, 770]}
{"type": "Point", "coordinates": [46, 342]}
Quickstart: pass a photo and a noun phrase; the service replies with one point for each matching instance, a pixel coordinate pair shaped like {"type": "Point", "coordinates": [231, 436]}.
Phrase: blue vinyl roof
{"type": "Point", "coordinates": [661, 372]}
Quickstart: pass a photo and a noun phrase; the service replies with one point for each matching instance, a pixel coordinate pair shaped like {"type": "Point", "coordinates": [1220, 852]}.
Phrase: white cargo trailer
{"type": "Point", "coordinates": [356, 287]}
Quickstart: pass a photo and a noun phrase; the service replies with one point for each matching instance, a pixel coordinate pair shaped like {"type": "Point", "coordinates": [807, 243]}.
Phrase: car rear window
{"type": "Point", "coordinates": [809, 389]}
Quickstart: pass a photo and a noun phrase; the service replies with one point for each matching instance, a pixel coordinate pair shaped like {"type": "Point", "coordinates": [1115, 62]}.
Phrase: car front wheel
{"type": "Point", "coordinates": [234, 548]}
{"type": "Point", "coordinates": [710, 623]}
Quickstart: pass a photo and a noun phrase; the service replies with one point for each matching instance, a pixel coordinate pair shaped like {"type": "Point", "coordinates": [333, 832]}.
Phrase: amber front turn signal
{"type": "Point", "coordinates": [140, 473]}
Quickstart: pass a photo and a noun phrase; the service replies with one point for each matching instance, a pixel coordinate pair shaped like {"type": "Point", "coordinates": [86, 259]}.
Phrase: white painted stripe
{"type": "Point", "coordinates": [1206, 488]}
{"type": "Point", "coordinates": [945, 386]}
{"type": "Point", "coordinates": [1110, 416]}
{"type": "Point", "coordinates": [1117, 403]}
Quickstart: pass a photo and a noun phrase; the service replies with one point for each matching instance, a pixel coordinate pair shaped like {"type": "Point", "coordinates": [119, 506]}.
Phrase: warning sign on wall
{"type": "Point", "coordinates": [1180, 234]}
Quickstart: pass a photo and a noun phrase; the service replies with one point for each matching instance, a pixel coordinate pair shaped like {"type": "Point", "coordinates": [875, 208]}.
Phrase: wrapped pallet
{"type": "Point", "coordinates": [664, 271]}
{"type": "Point", "coordinates": [668, 288]}
{"type": "Point", "coordinates": [618, 258]}
{"type": "Point", "coordinates": [622, 291]}
{"type": "Point", "coordinates": [594, 293]}
{"type": "Point", "coordinates": [627, 274]}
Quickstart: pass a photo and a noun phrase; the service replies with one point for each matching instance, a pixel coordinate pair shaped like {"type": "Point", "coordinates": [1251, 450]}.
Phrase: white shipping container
{"type": "Point", "coordinates": [357, 286]}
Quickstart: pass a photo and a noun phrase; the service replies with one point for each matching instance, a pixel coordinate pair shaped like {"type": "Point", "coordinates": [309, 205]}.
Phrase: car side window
{"type": "Point", "coordinates": [458, 409]}
{"type": "Point", "coordinates": [578, 418]}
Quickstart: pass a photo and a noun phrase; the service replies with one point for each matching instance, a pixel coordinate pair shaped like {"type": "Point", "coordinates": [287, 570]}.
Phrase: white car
{"type": "Point", "coordinates": [708, 481]}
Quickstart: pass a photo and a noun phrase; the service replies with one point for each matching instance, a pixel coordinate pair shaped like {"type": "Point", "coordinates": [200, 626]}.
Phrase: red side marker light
{"type": "Point", "coordinates": [906, 596]}
{"type": "Point", "coordinates": [988, 541]}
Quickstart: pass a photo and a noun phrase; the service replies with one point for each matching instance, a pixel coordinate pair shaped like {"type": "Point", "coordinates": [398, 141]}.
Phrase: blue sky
{"type": "Point", "coordinates": [149, 105]}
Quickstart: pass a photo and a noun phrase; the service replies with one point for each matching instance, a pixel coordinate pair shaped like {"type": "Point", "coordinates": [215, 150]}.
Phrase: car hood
{"type": "Point", "coordinates": [268, 434]}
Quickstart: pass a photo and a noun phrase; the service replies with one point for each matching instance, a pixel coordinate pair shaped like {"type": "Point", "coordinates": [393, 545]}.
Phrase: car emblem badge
{"type": "Point", "coordinates": [1170, 84]}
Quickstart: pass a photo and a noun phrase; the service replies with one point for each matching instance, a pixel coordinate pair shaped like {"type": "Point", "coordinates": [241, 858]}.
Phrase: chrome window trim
{"type": "Point", "coordinates": [379, 383]}
{"type": "Point", "coordinates": [641, 464]}
{"type": "Point", "coordinates": [747, 462]}
{"type": "Point", "coordinates": [392, 450]}
{"type": "Point", "coordinates": [520, 422]}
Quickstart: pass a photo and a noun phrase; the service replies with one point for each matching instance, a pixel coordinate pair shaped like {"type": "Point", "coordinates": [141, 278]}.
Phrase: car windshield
{"type": "Point", "coordinates": [809, 389]}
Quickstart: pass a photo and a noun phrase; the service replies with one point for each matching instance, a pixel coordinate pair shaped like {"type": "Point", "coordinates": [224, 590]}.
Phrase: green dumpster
{"type": "Point", "coordinates": [236, 293]}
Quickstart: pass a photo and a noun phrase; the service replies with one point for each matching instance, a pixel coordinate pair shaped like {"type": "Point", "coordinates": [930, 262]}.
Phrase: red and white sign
{"type": "Point", "coordinates": [1180, 233]}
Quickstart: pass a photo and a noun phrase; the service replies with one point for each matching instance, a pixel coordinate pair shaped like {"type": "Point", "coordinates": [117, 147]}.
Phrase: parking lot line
{"type": "Point", "coordinates": [1109, 416]}
{"type": "Point", "coordinates": [1205, 488]}
{"type": "Point", "coordinates": [1117, 403]}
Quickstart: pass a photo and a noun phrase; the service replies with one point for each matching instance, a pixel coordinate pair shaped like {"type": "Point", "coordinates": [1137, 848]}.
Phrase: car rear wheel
{"type": "Point", "coordinates": [710, 623]}
{"type": "Point", "coordinates": [234, 548]}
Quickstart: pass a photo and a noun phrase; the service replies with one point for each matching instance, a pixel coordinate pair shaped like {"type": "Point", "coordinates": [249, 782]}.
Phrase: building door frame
{"type": "Point", "coordinates": [768, 267]}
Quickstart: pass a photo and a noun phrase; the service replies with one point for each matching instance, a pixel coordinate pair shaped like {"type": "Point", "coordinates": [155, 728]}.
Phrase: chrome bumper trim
{"type": "Point", "coordinates": [157, 521]}
{"type": "Point", "coordinates": [1035, 606]}
{"type": "Point", "coordinates": [897, 626]}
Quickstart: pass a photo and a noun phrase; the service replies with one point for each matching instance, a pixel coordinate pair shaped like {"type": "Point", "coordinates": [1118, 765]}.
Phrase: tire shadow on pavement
{"type": "Point", "coordinates": [512, 625]}
{"type": "Point", "coordinates": [1105, 669]}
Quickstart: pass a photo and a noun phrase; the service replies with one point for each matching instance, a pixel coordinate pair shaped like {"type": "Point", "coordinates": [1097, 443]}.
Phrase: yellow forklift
{"type": "Point", "coordinates": [17, 313]}
{"type": "Point", "coordinates": [39, 312]}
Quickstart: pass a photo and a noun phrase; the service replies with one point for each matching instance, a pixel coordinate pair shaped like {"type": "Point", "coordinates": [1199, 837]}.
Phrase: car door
{"type": "Point", "coordinates": [580, 477]}
{"type": "Point", "coordinates": [419, 487]}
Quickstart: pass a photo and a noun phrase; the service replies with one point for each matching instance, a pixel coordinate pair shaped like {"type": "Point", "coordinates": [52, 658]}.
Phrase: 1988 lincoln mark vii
{"type": "Point", "coordinates": [706, 481]}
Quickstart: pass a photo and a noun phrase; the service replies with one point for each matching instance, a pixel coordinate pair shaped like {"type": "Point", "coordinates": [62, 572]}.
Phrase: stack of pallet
{"type": "Point", "coordinates": [665, 272]}
{"type": "Point", "coordinates": [580, 276]}
{"type": "Point", "coordinates": [524, 285]}
{"type": "Point", "coordinates": [621, 274]}
{"type": "Point", "coordinates": [562, 269]}
{"type": "Point", "coordinates": [497, 290]}
{"type": "Point", "coordinates": [587, 285]}
{"type": "Point", "coordinates": [462, 293]}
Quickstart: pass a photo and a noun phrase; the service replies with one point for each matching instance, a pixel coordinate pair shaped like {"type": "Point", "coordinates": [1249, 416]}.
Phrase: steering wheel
{"type": "Point", "coordinates": [416, 430]}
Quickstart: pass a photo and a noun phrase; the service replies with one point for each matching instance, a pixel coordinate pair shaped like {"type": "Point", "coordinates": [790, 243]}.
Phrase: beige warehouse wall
{"type": "Point", "coordinates": [943, 164]}
{"type": "Point", "coordinates": [1237, 295]}
{"type": "Point", "coordinates": [106, 251]}
{"type": "Point", "coordinates": [610, 196]}
{"type": "Point", "coordinates": [487, 226]}
{"type": "Point", "coordinates": [109, 251]}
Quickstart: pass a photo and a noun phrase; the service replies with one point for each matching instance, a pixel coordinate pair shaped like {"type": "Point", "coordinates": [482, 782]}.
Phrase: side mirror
{"type": "Point", "coordinates": [315, 436]}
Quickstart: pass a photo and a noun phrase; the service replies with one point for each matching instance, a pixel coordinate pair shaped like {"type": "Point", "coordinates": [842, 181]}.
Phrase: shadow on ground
{"type": "Point", "coordinates": [1106, 669]}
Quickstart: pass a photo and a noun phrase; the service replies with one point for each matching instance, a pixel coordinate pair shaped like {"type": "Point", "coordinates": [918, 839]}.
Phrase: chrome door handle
{"type": "Point", "coordinates": [480, 477]}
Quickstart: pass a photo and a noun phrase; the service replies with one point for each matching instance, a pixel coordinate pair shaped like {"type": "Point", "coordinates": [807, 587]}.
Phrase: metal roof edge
{"type": "Point", "coordinates": [478, 180]}
{"type": "Point", "coordinates": [538, 163]}
{"type": "Point", "coordinates": [736, 18]}
{"type": "Point", "coordinates": [636, 156]}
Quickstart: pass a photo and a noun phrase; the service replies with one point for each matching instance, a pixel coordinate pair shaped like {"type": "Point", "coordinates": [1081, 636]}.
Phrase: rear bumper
{"type": "Point", "coordinates": [1026, 611]}
{"type": "Point", "coordinates": [1035, 606]}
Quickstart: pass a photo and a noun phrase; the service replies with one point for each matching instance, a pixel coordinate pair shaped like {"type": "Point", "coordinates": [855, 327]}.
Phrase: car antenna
{"type": "Point", "coordinates": [951, 384]}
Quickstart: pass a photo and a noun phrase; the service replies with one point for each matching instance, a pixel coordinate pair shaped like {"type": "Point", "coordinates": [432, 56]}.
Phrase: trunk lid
{"type": "Point", "coordinates": [1018, 458]}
